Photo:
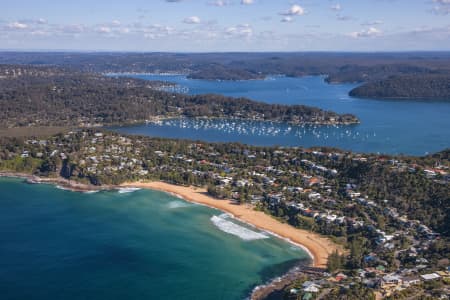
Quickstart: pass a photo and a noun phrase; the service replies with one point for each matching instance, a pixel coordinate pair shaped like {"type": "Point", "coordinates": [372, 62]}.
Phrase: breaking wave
{"type": "Point", "coordinates": [91, 192]}
{"type": "Point", "coordinates": [177, 204]}
{"type": "Point", "coordinates": [127, 190]}
{"type": "Point", "coordinates": [232, 228]}
{"type": "Point", "coordinates": [60, 187]}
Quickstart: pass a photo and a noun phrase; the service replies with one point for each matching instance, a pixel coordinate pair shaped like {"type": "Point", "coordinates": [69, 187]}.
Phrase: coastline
{"type": "Point", "coordinates": [60, 182]}
{"type": "Point", "coordinates": [317, 246]}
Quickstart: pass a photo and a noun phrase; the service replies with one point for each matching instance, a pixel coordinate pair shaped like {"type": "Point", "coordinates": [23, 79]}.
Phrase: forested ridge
{"type": "Point", "coordinates": [340, 67]}
{"type": "Point", "coordinates": [427, 86]}
{"type": "Point", "coordinates": [387, 75]}
{"type": "Point", "coordinates": [32, 96]}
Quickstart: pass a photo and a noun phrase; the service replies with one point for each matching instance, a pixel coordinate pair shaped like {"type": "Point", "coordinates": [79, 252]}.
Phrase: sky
{"type": "Point", "coordinates": [225, 25]}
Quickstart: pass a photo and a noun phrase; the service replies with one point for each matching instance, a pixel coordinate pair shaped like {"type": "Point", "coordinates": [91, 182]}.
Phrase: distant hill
{"type": "Point", "coordinates": [423, 86]}
{"type": "Point", "coordinates": [340, 67]}
{"type": "Point", "coordinates": [411, 75]}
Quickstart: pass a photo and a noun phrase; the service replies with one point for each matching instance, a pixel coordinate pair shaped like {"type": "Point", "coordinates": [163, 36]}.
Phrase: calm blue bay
{"type": "Point", "coordinates": [387, 126]}
{"type": "Point", "coordinates": [57, 244]}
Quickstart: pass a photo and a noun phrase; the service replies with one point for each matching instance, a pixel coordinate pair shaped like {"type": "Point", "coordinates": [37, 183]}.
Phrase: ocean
{"type": "Point", "coordinates": [413, 127]}
{"type": "Point", "coordinates": [142, 244]}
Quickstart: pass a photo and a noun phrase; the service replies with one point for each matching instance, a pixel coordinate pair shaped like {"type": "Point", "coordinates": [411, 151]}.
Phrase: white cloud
{"type": "Point", "coordinates": [247, 2]}
{"type": "Point", "coordinates": [370, 32]}
{"type": "Point", "coordinates": [441, 10]}
{"type": "Point", "coordinates": [343, 18]}
{"type": "Point", "coordinates": [287, 19]}
{"type": "Point", "coordinates": [220, 3]}
{"type": "Point", "coordinates": [157, 31]}
{"type": "Point", "coordinates": [295, 10]}
{"type": "Point", "coordinates": [239, 31]}
{"type": "Point", "coordinates": [71, 29]}
{"type": "Point", "coordinates": [42, 21]}
{"type": "Point", "coordinates": [39, 33]}
{"type": "Point", "coordinates": [192, 20]}
{"type": "Point", "coordinates": [104, 29]}
{"type": "Point", "coordinates": [372, 23]}
{"type": "Point", "coordinates": [442, 7]}
{"type": "Point", "coordinates": [336, 7]}
{"type": "Point", "coordinates": [17, 25]}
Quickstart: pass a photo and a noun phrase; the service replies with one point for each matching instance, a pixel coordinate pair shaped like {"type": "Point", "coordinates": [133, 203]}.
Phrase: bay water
{"type": "Point", "coordinates": [413, 127]}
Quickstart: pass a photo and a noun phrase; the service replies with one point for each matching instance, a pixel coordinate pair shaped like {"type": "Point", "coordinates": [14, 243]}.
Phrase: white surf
{"type": "Point", "coordinates": [230, 227]}
{"type": "Point", "coordinates": [177, 204]}
{"type": "Point", "coordinates": [127, 190]}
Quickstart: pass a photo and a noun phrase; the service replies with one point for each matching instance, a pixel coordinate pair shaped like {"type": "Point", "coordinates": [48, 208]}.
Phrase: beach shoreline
{"type": "Point", "coordinates": [60, 182]}
{"type": "Point", "coordinates": [318, 247]}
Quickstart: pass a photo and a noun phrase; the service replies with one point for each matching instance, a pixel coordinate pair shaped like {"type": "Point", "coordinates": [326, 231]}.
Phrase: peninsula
{"type": "Point", "coordinates": [351, 211]}
{"type": "Point", "coordinates": [48, 96]}
{"type": "Point", "coordinates": [424, 87]}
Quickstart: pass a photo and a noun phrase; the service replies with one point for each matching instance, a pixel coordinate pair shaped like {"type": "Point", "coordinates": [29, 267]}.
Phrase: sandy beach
{"type": "Point", "coordinates": [318, 246]}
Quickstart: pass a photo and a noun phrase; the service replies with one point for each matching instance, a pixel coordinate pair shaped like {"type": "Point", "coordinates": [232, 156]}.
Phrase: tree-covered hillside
{"type": "Point", "coordinates": [338, 67]}
{"type": "Point", "coordinates": [430, 86]}
{"type": "Point", "coordinates": [31, 96]}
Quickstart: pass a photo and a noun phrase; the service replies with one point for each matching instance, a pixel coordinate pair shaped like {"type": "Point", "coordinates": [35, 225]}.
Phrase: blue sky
{"type": "Point", "coordinates": [226, 25]}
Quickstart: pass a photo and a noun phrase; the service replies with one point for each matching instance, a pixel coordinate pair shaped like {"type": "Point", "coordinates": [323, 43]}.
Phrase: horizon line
{"type": "Point", "coordinates": [210, 52]}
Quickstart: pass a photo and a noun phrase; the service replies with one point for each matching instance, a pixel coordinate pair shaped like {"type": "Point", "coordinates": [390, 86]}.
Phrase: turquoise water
{"type": "Point", "coordinates": [387, 126]}
{"type": "Point", "coordinates": [56, 244]}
